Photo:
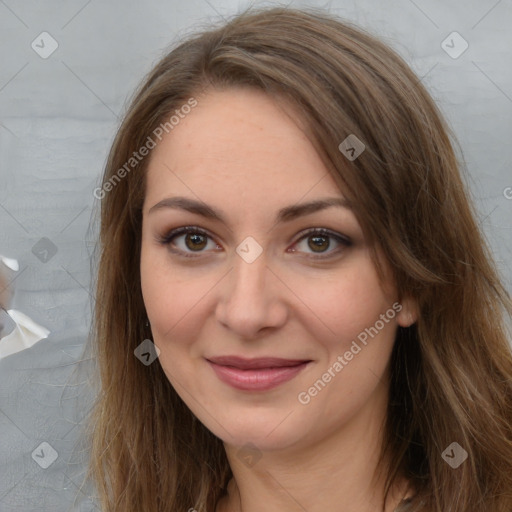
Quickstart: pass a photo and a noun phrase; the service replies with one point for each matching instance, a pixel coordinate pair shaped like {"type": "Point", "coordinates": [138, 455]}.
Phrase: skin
{"type": "Point", "coordinates": [247, 157]}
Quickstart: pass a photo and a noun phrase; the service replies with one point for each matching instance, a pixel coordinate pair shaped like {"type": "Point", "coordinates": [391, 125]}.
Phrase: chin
{"type": "Point", "coordinates": [265, 433]}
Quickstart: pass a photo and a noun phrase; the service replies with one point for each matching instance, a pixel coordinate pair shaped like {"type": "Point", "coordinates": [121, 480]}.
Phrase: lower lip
{"type": "Point", "coordinates": [260, 379]}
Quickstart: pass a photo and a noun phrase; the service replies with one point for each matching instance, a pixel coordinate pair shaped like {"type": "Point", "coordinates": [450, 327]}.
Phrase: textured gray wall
{"type": "Point", "coordinates": [58, 115]}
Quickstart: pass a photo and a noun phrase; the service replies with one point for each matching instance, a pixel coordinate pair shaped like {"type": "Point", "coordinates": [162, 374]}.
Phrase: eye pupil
{"type": "Point", "coordinates": [319, 242]}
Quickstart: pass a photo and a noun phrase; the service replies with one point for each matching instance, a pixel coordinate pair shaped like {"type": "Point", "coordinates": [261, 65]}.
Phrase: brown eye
{"type": "Point", "coordinates": [319, 241]}
{"type": "Point", "coordinates": [195, 241]}
{"type": "Point", "coordinates": [188, 240]}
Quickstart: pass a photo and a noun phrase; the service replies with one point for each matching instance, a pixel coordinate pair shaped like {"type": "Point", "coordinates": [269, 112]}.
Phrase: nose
{"type": "Point", "coordinates": [252, 299]}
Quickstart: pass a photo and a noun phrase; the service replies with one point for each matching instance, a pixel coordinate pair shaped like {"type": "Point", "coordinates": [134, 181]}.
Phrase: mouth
{"type": "Point", "coordinates": [259, 374]}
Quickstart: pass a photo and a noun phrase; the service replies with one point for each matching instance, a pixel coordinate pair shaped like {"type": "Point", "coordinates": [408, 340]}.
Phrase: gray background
{"type": "Point", "coordinates": [57, 119]}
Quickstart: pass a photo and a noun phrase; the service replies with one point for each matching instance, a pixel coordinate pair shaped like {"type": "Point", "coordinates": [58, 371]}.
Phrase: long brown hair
{"type": "Point", "coordinates": [451, 372]}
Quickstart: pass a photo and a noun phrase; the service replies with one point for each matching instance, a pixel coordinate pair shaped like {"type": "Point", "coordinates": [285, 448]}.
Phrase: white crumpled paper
{"type": "Point", "coordinates": [26, 332]}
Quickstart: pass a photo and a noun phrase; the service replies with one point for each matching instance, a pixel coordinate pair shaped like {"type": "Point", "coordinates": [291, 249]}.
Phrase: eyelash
{"type": "Point", "coordinates": [169, 237]}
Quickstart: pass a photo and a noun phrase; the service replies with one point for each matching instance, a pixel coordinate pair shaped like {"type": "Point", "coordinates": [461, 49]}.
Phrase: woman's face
{"type": "Point", "coordinates": [252, 279]}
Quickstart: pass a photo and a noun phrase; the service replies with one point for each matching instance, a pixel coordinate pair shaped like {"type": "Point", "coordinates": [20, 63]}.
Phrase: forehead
{"type": "Point", "coordinates": [239, 141]}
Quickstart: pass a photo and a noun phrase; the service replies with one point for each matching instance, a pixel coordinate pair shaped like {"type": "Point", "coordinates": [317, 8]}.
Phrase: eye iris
{"type": "Point", "coordinates": [317, 243]}
{"type": "Point", "coordinates": [196, 239]}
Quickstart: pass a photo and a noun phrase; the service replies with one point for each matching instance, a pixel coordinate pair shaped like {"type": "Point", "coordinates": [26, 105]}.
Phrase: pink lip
{"type": "Point", "coordinates": [256, 374]}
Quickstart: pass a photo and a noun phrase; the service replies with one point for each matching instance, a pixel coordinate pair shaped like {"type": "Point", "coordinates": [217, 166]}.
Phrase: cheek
{"type": "Point", "coordinates": [176, 307]}
{"type": "Point", "coordinates": [172, 307]}
{"type": "Point", "coordinates": [342, 305]}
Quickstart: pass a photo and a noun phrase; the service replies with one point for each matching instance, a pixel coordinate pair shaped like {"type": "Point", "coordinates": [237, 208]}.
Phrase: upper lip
{"type": "Point", "coordinates": [261, 362]}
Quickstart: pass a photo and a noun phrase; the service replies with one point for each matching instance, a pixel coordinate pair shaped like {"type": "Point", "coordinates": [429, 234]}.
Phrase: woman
{"type": "Point", "coordinates": [296, 309]}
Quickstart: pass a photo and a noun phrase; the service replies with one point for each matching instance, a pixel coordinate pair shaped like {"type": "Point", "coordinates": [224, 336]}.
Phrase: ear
{"type": "Point", "coordinates": [408, 315]}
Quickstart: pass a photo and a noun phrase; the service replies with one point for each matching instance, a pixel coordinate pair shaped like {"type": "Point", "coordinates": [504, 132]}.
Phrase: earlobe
{"type": "Point", "coordinates": [408, 315]}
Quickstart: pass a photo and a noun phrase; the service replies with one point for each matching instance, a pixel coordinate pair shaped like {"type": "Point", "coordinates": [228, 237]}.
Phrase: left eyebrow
{"type": "Point", "coordinates": [285, 214]}
{"type": "Point", "coordinates": [291, 212]}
